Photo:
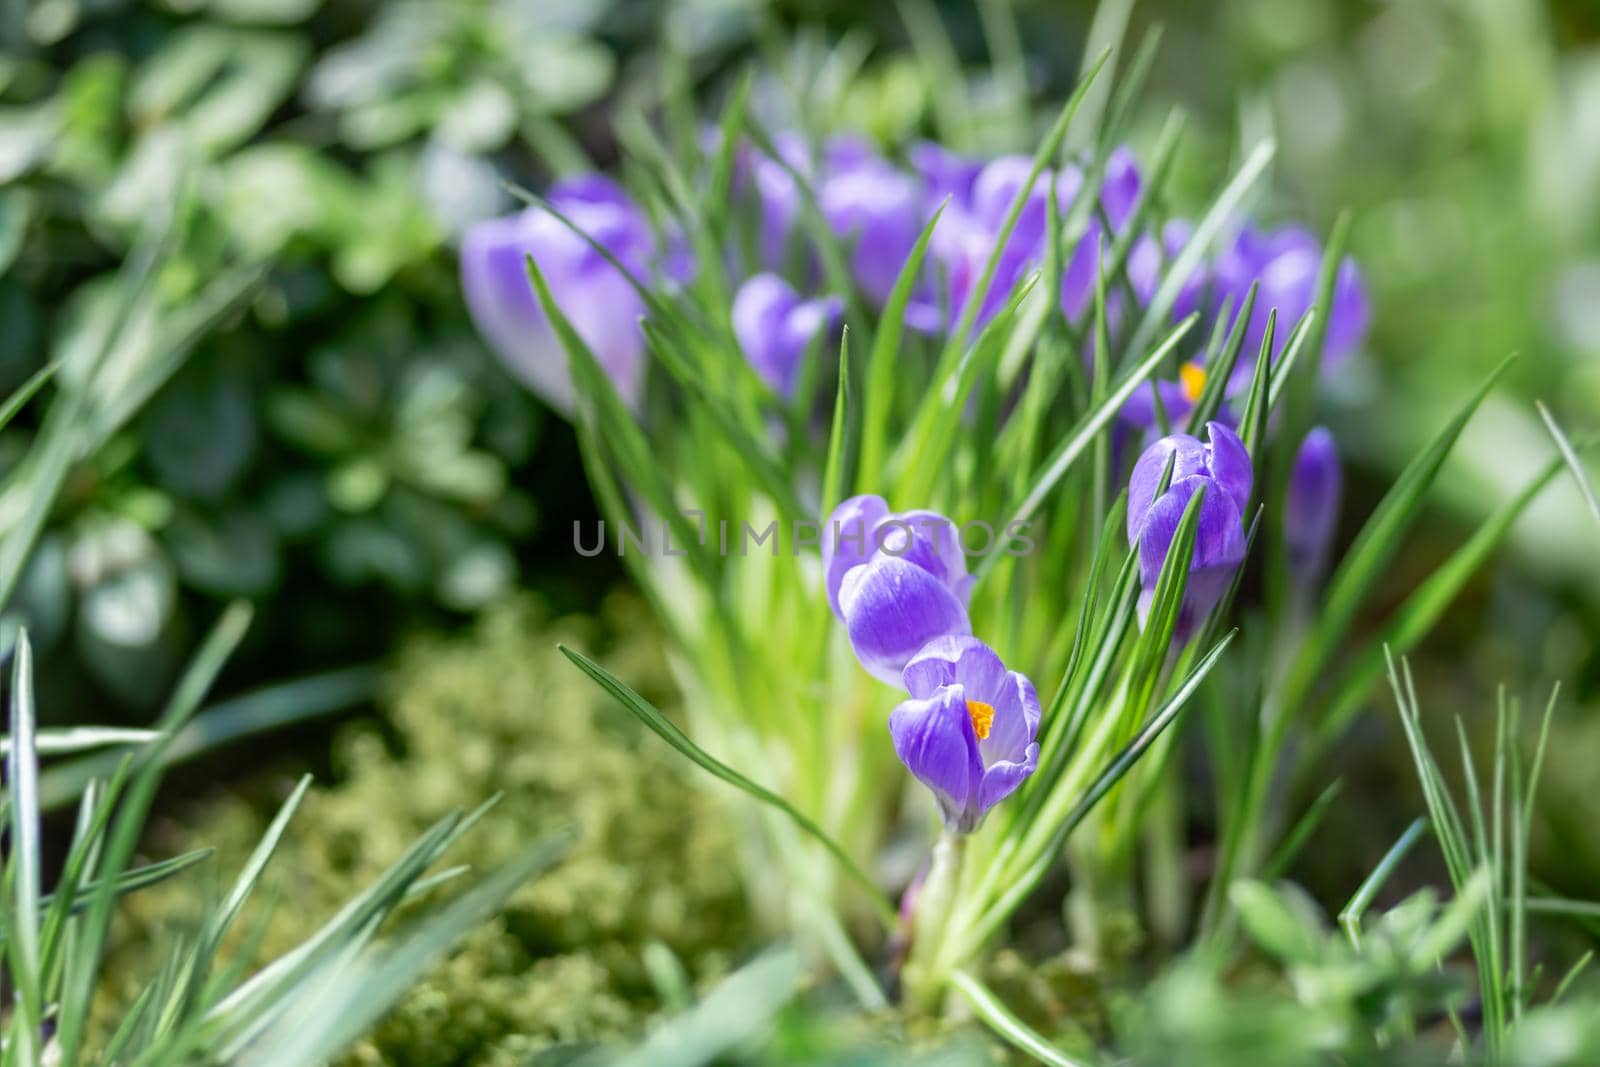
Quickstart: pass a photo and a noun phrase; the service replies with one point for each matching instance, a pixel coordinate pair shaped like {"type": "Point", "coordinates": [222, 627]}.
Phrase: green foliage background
{"type": "Point", "coordinates": [497, 710]}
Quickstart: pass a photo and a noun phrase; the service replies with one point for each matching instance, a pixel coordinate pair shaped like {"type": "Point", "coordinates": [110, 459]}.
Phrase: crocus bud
{"type": "Point", "coordinates": [774, 327]}
{"type": "Point", "coordinates": [1222, 468]}
{"type": "Point", "coordinates": [1311, 505]}
{"type": "Point", "coordinates": [968, 732]}
{"type": "Point", "coordinates": [897, 581]}
{"type": "Point", "coordinates": [596, 298]}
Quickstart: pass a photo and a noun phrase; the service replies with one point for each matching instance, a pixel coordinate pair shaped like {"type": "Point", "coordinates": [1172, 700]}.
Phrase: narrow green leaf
{"type": "Point", "coordinates": [69, 739]}
{"type": "Point", "coordinates": [1005, 1023]}
{"type": "Point", "coordinates": [1355, 911]}
{"type": "Point", "coordinates": [24, 864]}
{"type": "Point", "coordinates": [1223, 209]}
{"type": "Point", "coordinates": [885, 357]}
{"type": "Point", "coordinates": [668, 731]}
{"type": "Point", "coordinates": [1377, 542]}
{"type": "Point", "coordinates": [355, 997]}
{"type": "Point", "coordinates": [1084, 433]}
{"type": "Point", "coordinates": [835, 469]}
{"type": "Point", "coordinates": [1569, 454]}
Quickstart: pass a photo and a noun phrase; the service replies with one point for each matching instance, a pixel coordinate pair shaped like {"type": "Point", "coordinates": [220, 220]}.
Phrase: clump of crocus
{"type": "Point", "coordinates": [968, 732]}
{"type": "Point", "coordinates": [595, 296]}
{"type": "Point", "coordinates": [1311, 505]}
{"type": "Point", "coordinates": [897, 581]}
{"type": "Point", "coordinates": [774, 327]}
{"type": "Point", "coordinates": [1222, 470]}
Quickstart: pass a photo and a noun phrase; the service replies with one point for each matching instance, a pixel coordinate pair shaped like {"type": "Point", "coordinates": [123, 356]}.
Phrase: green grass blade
{"type": "Point", "coordinates": [1083, 435]}
{"type": "Point", "coordinates": [69, 739]}
{"type": "Point", "coordinates": [884, 359]}
{"type": "Point", "coordinates": [1374, 546]}
{"type": "Point", "coordinates": [1005, 1023]}
{"type": "Point", "coordinates": [668, 731]}
{"type": "Point", "coordinates": [1183, 265]}
{"type": "Point", "coordinates": [1570, 455]}
{"type": "Point", "coordinates": [1351, 915]}
{"type": "Point", "coordinates": [354, 999]}
{"type": "Point", "coordinates": [129, 824]}
{"type": "Point", "coordinates": [23, 860]}
{"type": "Point", "coordinates": [835, 469]}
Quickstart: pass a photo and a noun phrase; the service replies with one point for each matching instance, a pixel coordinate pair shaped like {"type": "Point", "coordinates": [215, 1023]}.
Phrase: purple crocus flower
{"type": "Point", "coordinates": [897, 581]}
{"type": "Point", "coordinates": [602, 306]}
{"type": "Point", "coordinates": [968, 732]}
{"type": "Point", "coordinates": [1223, 468]}
{"type": "Point", "coordinates": [1285, 263]}
{"type": "Point", "coordinates": [877, 211]}
{"type": "Point", "coordinates": [775, 326]}
{"type": "Point", "coordinates": [1311, 505]}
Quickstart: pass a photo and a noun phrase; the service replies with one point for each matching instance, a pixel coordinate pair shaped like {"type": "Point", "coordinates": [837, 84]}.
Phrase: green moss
{"type": "Point", "coordinates": [500, 711]}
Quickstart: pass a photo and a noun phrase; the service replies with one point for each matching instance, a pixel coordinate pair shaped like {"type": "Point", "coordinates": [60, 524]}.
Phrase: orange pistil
{"type": "Point", "coordinates": [982, 717]}
{"type": "Point", "coordinates": [1193, 377]}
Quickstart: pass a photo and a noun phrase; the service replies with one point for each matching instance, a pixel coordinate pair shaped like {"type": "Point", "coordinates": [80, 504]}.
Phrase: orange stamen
{"type": "Point", "coordinates": [982, 717]}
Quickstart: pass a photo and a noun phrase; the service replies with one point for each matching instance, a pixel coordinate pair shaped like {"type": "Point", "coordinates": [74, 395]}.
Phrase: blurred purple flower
{"type": "Point", "coordinates": [1223, 468]}
{"type": "Point", "coordinates": [968, 732]}
{"type": "Point", "coordinates": [1311, 505]}
{"type": "Point", "coordinates": [602, 306]}
{"type": "Point", "coordinates": [897, 581]}
{"type": "Point", "coordinates": [774, 327]}
{"type": "Point", "coordinates": [1285, 262]}
{"type": "Point", "coordinates": [877, 211]}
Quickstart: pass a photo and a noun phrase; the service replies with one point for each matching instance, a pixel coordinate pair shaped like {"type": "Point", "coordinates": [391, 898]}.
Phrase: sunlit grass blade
{"type": "Point", "coordinates": [1352, 914]}
{"type": "Point", "coordinates": [129, 822]}
{"type": "Point", "coordinates": [23, 862]}
{"type": "Point", "coordinates": [1005, 1023]}
{"type": "Point", "coordinates": [25, 392]}
{"type": "Point", "coordinates": [1223, 209]}
{"type": "Point", "coordinates": [1371, 551]}
{"type": "Point", "coordinates": [137, 878]}
{"type": "Point", "coordinates": [67, 740]}
{"type": "Point", "coordinates": [353, 999]}
{"type": "Point", "coordinates": [877, 407]}
{"type": "Point", "coordinates": [1570, 455]}
{"type": "Point", "coordinates": [836, 467]}
{"type": "Point", "coordinates": [668, 731]}
{"type": "Point", "coordinates": [1422, 610]}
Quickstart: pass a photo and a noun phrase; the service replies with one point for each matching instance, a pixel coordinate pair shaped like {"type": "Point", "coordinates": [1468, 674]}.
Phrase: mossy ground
{"type": "Point", "coordinates": [497, 710]}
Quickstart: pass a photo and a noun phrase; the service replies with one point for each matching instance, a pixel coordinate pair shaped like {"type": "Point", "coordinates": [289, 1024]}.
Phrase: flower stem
{"type": "Point", "coordinates": [924, 976]}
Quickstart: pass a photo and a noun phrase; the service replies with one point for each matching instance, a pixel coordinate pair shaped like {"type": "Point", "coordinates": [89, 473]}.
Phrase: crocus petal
{"type": "Point", "coordinates": [774, 327]}
{"type": "Point", "coordinates": [955, 659]}
{"type": "Point", "coordinates": [891, 609]}
{"type": "Point", "coordinates": [879, 210]}
{"type": "Point", "coordinates": [1120, 191]}
{"type": "Point", "coordinates": [1230, 463]}
{"type": "Point", "coordinates": [936, 547]}
{"type": "Point", "coordinates": [934, 739]}
{"type": "Point", "coordinates": [848, 540]}
{"type": "Point", "coordinates": [506, 312]}
{"type": "Point", "coordinates": [1311, 504]}
{"type": "Point", "coordinates": [1016, 719]}
{"type": "Point", "coordinates": [1152, 463]}
{"type": "Point", "coordinates": [1001, 779]}
{"type": "Point", "coordinates": [1219, 547]}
